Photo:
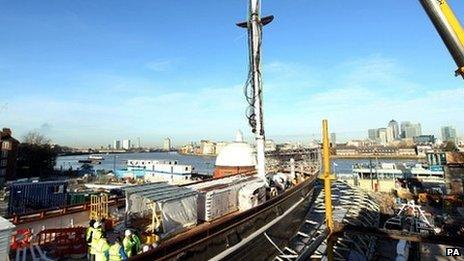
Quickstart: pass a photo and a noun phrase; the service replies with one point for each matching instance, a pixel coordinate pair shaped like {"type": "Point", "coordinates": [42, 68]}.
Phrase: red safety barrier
{"type": "Point", "coordinates": [21, 238]}
{"type": "Point", "coordinates": [63, 242]}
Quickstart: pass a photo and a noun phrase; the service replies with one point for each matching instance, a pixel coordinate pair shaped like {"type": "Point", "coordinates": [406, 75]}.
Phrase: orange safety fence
{"type": "Point", "coordinates": [63, 241]}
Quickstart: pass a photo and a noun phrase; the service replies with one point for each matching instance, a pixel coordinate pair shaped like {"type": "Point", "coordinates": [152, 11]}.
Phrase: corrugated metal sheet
{"type": "Point", "coordinates": [30, 196]}
{"type": "Point", "coordinates": [6, 228]}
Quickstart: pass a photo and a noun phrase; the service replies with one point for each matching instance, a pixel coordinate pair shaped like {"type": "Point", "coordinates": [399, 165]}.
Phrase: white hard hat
{"type": "Point", "coordinates": [145, 248]}
{"type": "Point", "coordinates": [96, 224]}
{"type": "Point", "coordinates": [127, 232]}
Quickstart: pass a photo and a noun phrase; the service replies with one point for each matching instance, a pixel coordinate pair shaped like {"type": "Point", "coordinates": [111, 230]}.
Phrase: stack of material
{"type": "Point", "coordinates": [6, 229]}
{"type": "Point", "coordinates": [174, 206]}
{"type": "Point", "coordinates": [220, 197]}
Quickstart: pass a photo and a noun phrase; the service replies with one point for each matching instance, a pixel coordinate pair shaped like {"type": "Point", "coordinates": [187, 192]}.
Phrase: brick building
{"type": "Point", "coordinates": [8, 155]}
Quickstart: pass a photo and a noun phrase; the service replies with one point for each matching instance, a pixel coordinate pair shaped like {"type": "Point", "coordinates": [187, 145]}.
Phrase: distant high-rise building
{"type": "Point", "coordinates": [382, 132]}
{"type": "Point", "coordinates": [418, 129]}
{"type": "Point", "coordinates": [413, 130]}
{"type": "Point", "coordinates": [126, 144]}
{"type": "Point", "coordinates": [139, 145]}
{"type": "Point", "coordinates": [333, 139]}
{"type": "Point", "coordinates": [395, 129]}
{"type": "Point", "coordinates": [404, 125]}
{"type": "Point", "coordinates": [373, 134]}
{"type": "Point", "coordinates": [167, 144]}
{"type": "Point", "coordinates": [410, 132]}
{"type": "Point", "coordinates": [390, 134]}
{"type": "Point", "coordinates": [117, 144]}
{"type": "Point", "coordinates": [448, 133]}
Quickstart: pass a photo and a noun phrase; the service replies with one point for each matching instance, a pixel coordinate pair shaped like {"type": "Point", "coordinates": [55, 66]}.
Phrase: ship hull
{"type": "Point", "coordinates": [240, 236]}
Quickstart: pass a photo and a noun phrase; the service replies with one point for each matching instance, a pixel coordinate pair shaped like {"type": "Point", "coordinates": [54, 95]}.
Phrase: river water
{"type": "Point", "coordinates": [201, 164]}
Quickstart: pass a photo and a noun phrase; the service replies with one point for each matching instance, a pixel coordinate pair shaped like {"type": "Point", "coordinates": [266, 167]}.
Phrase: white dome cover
{"type": "Point", "coordinates": [237, 154]}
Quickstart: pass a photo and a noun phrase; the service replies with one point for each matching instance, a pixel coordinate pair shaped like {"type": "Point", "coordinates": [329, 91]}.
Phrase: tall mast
{"type": "Point", "coordinates": [254, 26]}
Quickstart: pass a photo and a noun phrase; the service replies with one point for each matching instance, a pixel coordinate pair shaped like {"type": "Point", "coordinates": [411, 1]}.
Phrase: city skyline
{"type": "Point", "coordinates": [342, 137]}
{"type": "Point", "coordinates": [304, 139]}
{"type": "Point", "coordinates": [82, 73]}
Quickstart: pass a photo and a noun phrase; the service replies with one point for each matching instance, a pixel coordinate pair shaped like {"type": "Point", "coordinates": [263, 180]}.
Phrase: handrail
{"type": "Point", "coordinates": [54, 212]}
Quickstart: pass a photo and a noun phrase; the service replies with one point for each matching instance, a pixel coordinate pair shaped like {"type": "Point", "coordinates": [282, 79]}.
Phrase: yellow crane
{"type": "Point", "coordinates": [449, 28]}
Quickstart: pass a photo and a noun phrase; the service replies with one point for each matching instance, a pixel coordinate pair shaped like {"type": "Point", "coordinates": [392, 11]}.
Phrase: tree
{"type": "Point", "coordinates": [35, 138]}
{"type": "Point", "coordinates": [36, 157]}
{"type": "Point", "coordinates": [450, 146]}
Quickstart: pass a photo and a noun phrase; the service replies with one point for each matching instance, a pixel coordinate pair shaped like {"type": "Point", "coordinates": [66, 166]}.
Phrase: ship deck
{"type": "Point", "coordinates": [238, 231]}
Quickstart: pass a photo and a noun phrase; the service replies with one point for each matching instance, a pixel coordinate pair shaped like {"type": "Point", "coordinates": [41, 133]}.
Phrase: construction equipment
{"type": "Point", "coordinates": [449, 28]}
{"type": "Point", "coordinates": [99, 207]}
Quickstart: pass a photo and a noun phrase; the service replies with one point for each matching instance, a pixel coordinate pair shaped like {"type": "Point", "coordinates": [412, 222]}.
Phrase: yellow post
{"type": "Point", "coordinates": [327, 185]}
{"type": "Point", "coordinates": [155, 223]}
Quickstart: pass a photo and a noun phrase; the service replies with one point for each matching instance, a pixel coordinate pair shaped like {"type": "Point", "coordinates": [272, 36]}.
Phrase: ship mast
{"type": "Point", "coordinates": [254, 26]}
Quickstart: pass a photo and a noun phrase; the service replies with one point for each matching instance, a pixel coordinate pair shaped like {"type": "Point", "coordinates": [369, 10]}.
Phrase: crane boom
{"type": "Point", "coordinates": [449, 28]}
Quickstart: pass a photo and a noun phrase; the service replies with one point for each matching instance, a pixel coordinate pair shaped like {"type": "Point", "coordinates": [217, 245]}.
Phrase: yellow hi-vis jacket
{"type": "Point", "coordinates": [96, 235]}
{"type": "Point", "coordinates": [128, 244]}
{"type": "Point", "coordinates": [102, 248]}
{"type": "Point", "coordinates": [89, 235]}
{"type": "Point", "coordinates": [117, 253]}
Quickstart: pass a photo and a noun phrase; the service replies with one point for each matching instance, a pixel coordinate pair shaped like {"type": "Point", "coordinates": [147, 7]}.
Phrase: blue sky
{"type": "Point", "coordinates": [87, 72]}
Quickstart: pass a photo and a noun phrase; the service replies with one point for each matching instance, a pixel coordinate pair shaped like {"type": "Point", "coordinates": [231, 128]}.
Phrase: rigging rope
{"type": "Point", "coordinates": [249, 91]}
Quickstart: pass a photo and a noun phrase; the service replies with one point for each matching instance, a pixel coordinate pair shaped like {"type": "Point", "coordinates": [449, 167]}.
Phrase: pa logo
{"type": "Point", "coordinates": [453, 252]}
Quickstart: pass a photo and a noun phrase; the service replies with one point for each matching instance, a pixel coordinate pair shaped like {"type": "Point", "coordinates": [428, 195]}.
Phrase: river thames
{"type": "Point", "coordinates": [201, 164]}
